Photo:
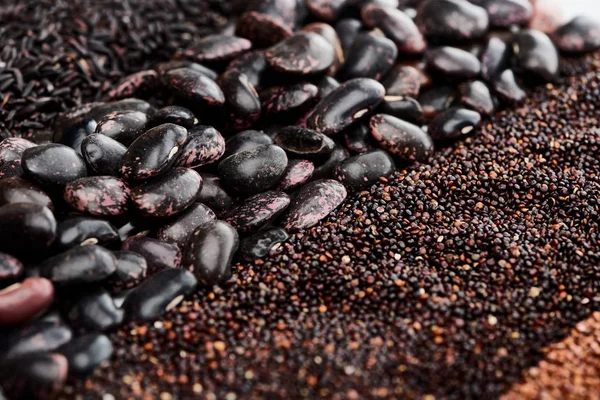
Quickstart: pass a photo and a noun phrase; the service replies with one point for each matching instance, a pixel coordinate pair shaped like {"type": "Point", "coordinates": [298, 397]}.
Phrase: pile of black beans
{"type": "Point", "coordinates": [142, 198]}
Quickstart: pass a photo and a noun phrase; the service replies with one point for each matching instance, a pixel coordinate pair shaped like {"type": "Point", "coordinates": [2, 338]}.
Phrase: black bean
{"type": "Point", "coordinates": [261, 29]}
{"type": "Point", "coordinates": [158, 294]}
{"type": "Point", "coordinates": [190, 85]}
{"type": "Point", "coordinates": [507, 88]}
{"type": "Point", "coordinates": [494, 58]}
{"type": "Point", "coordinates": [436, 99]}
{"type": "Point", "coordinates": [453, 63]}
{"type": "Point", "coordinates": [254, 65]}
{"type": "Point", "coordinates": [255, 170]}
{"type": "Point", "coordinates": [246, 140]}
{"type": "Point", "coordinates": [396, 25]}
{"type": "Point", "coordinates": [402, 107]}
{"type": "Point", "coordinates": [35, 337]}
{"type": "Point", "coordinates": [26, 228]}
{"type": "Point", "coordinates": [325, 86]}
{"type": "Point", "coordinates": [17, 190]}
{"type": "Point", "coordinates": [86, 352]}
{"type": "Point", "coordinates": [454, 123]}
{"type": "Point", "coordinates": [403, 80]}
{"type": "Point", "coordinates": [332, 37]}
{"type": "Point", "coordinates": [11, 169]}
{"type": "Point", "coordinates": [325, 169]}
{"type": "Point", "coordinates": [95, 311]}
{"type": "Point", "coordinates": [36, 376]}
{"type": "Point", "coordinates": [451, 20]}
{"type": "Point", "coordinates": [476, 95]}
{"type": "Point", "coordinates": [257, 211]}
{"type": "Point", "coordinates": [347, 30]}
{"type": "Point", "coordinates": [79, 265]}
{"type": "Point", "coordinates": [504, 13]}
{"type": "Point", "coordinates": [303, 53]}
{"type": "Point", "coordinates": [213, 195]}
{"type": "Point", "coordinates": [363, 170]}
{"type": "Point", "coordinates": [123, 126]}
{"type": "Point", "coordinates": [303, 142]}
{"type": "Point", "coordinates": [102, 154]}
{"type": "Point", "coordinates": [285, 10]}
{"type": "Point", "coordinates": [102, 196]}
{"type": "Point", "coordinates": [371, 56]}
{"type": "Point", "coordinates": [258, 245]}
{"type": "Point", "coordinates": [77, 231]}
{"type": "Point", "coordinates": [159, 255]}
{"type": "Point", "coordinates": [73, 134]}
{"type": "Point", "coordinates": [280, 101]}
{"type": "Point", "coordinates": [217, 48]}
{"type": "Point", "coordinates": [164, 67]}
{"type": "Point", "coordinates": [131, 270]}
{"type": "Point", "coordinates": [209, 252]}
{"type": "Point", "coordinates": [535, 54]}
{"type": "Point", "coordinates": [179, 229]}
{"type": "Point", "coordinates": [174, 115]}
{"type": "Point", "coordinates": [404, 140]}
{"type": "Point", "coordinates": [356, 138]}
{"type": "Point", "coordinates": [579, 35]}
{"type": "Point", "coordinates": [242, 108]}
{"type": "Point", "coordinates": [53, 164]}
{"type": "Point", "coordinates": [131, 104]}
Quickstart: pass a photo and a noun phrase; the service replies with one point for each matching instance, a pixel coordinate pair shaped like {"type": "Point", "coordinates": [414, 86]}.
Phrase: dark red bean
{"type": "Point", "coordinates": [26, 228]}
{"type": "Point", "coordinates": [331, 36]}
{"type": "Point", "coordinates": [204, 145]}
{"type": "Point", "coordinates": [217, 48]}
{"type": "Point", "coordinates": [137, 84]}
{"type": "Point", "coordinates": [257, 211]}
{"type": "Point", "coordinates": [102, 196]}
{"type": "Point", "coordinates": [494, 58]}
{"type": "Point", "coordinates": [123, 126]}
{"type": "Point", "coordinates": [454, 123]}
{"type": "Point", "coordinates": [153, 153]}
{"type": "Point", "coordinates": [73, 134]}
{"type": "Point", "coordinates": [158, 294]}
{"type": "Point", "coordinates": [580, 35]}
{"type": "Point", "coordinates": [504, 13]}
{"type": "Point", "coordinates": [402, 80]}
{"type": "Point", "coordinates": [36, 336]}
{"type": "Point", "coordinates": [38, 376]}
{"type": "Point", "coordinates": [347, 30]}
{"type": "Point", "coordinates": [261, 29]}
{"type": "Point", "coordinates": [254, 65]}
{"type": "Point", "coordinates": [397, 26]}
{"type": "Point", "coordinates": [242, 108]}
{"type": "Point", "coordinates": [11, 269]}
{"type": "Point", "coordinates": [451, 20]}
{"type": "Point", "coordinates": [363, 170]}
{"type": "Point", "coordinates": [179, 229]}
{"type": "Point", "coordinates": [209, 252]}
{"type": "Point", "coordinates": [371, 56]}
{"type": "Point", "coordinates": [325, 169]}
{"type": "Point", "coordinates": [404, 140]}
{"type": "Point", "coordinates": [454, 63]}
{"type": "Point", "coordinates": [164, 67]}
{"type": "Point", "coordinates": [79, 265]}
{"type": "Point", "coordinates": [347, 104]}
{"type": "Point", "coordinates": [402, 107]}
{"type": "Point", "coordinates": [95, 311]}
{"type": "Point", "coordinates": [190, 85]}
{"type": "Point", "coordinates": [535, 54]}
{"type": "Point", "coordinates": [131, 270]}
{"type": "Point", "coordinates": [313, 203]}
{"type": "Point", "coordinates": [17, 190]}
{"type": "Point", "coordinates": [159, 255]}
{"type": "Point", "coordinates": [297, 173]}
{"type": "Point", "coordinates": [102, 154]}
{"type": "Point", "coordinates": [12, 149]}
{"type": "Point", "coordinates": [86, 352]}
{"type": "Point", "coordinates": [255, 170]}
{"type": "Point", "coordinates": [303, 53]}
{"type": "Point", "coordinates": [476, 95]}
{"type": "Point", "coordinates": [327, 10]}
{"type": "Point", "coordinates": [213, 195]}
{"type": "Point", "coordinates": [168, 194]}
{"type": "Point", "coordinates": [507, 88]}
{"type": "Point", "coordinates": [281, 101]}
{"type": "Point", "coordinates": [356, 138]}
{"type": "Point", "coordinates": [53, 164]}
{"type": "Point", "coordinates": [21, 302]}
{"type": "Point", "coordinates": [246, 140]}
{"type": "Point", "coordinates": [78, 231]}
{"type": "Point", "coordinates": [303, 142]}
{"type": "Point", "coordinates": [174, 115]}
{"type": "Point", "coordinates": [11, 169]}
{"type": "Point", "coordinates": [435, 100]}
{"type": "Point", "coordinates": [260, 244]}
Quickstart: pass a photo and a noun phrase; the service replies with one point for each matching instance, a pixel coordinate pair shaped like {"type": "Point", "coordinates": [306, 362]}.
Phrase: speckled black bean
{"type": "Point", "coordinates": [131, 270]}
{"type": "Point", "coordinates": [454, 123]}
{"type": "Point", "coordinates": [258, 245]}
{"type": "Point", "coordinates": [257, 211]}
{"type": "Point", "coordinates": [476, 95]}
{"type": "Point", "coordinates": [77, 231]}
{"type": "Point", "coordinates": [371, 56]}
{"type": "Point", "coordinates": [168, 194]}
{"type": "Point", "coordinates": [159, 255]}
{"type": "Point", "coordinates": [35, 337]}
{"type": "Point", "coordinates": [453, 63]}
{"type": "Point", "coordinates": [164, 67]}
{"type": "Point", "coordinates": [53, 164]}
{"type": "Point", "coordinates": [179, 229]}
{"type": "Point", "coordinates": [26, 228]}
{"type": "Point", "coordinates": [217, 48]}
{"type": "Point", "coordinates": [246, 140]}
{"type": "Point", "coordinates": [213, 194]}
{"type": "Point", "coordinates": [357, 138]}
{"type": "Point", "coordinates": [436, 99]}
{"type": "Point", "coordinates": [402, 107]}
{"type": "Point", "coordinates": [255, 170]}
{"type": "Point", "coordinates": [86, 352]}
{"type": "Point", "coordinates": [103, 196]}
{"type": "Point", "coordinates": [73, 134]}
{"type": "Point", "coordinates": [402, 80]}
{"type": "Point", "coordinates": [79, 265]}
{"type": "Point", "coordinates": [262, 29]}
{"type": "Point", "coordinates": [329, 34]}
{"type": "Point", "coordinates": [123, 126]}
{"type": "Point", "coordinates": [136, 84]}
{"type": "Point", "coordinates": [451, 20]}
{"type": "Point", "coordinates": [11, 269]}
{"type": "Point", "coordinates": [174, 115]}
{"type": "Point", "coordinates": [579, 35]}
{"type": "Point", "coordinates": [204, 145]}
{"type": "Point", "coordinates": [363, 170]}
{"type": "Point", "coordinates": [11, 169]}
{"type": "Point", "coordinates": [302, 53]}
{"type": "Point", "coordinates": [506, 87]}
{"type": "Point", "coordinates": [12, 149]}
{"type": "Point", "coordinates": [285, 10]}
{"type": "Point", "coordinates": [190, 85]}
{"type": "Point", "coordinates": [494, 58]}
{"type": "Point", "coordinates": [303, 142]}
{"type": "Point", "coordinates": [327, 10]}
{"type": "Point", "coordinates": [131, 104]}
{"type": "Point", "coordinates": [254, 65]}
{"type": "Point", "coordinates": [37, 376]}
{"type": "Point", "coordinates": [17, 190]}
{"type": "Point", "coordinates": [153, 153]}
{"type": "Point", "coordinates": [504, 13]}
{"type": "Point", "coordinates": [95, 311]}
{"type": "Point", "coordinates": [281, 101]}
{"type": "Point", "coordinates": [242, 105]}
{"type": "Point", "coordinates": [158, 294]}
{"type": "Point", "coordinates": [313, 203]}
{"type": "Point", "coordinates": [102, 154]}
{"type": "Point", "coordinates": [396, 25]}
{"type": "Point", "coordinates": [347, 30]}
{"type": "Point", "coordinates": [536, 54]}
{"type": "Point", "coordinates": [402, 139]}
{"type": "Point", "coordinates": [297, 173]}
{"type": "Point", "coordinates": [348, 103]}
{"type": "Point", "coordinates": [209, 252]}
